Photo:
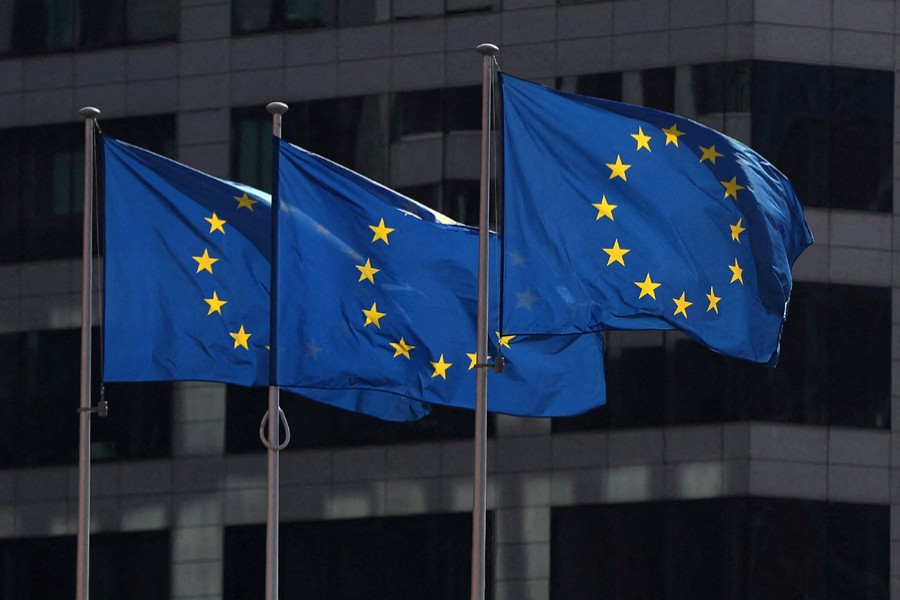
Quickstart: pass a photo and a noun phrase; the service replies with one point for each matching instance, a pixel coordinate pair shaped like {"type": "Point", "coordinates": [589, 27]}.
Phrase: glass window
{"type": "Point", "coordinates": [425, 556]}
{"type": "Point", "coordinates": [37, 26]}
{"type": "Point", "coordinates": [318, 425]}
{"type": "Point", "coordinates": [599, 85]}
{"type": "Point", "coordinates": [42, 199]}
{"type": "Point", "coordinates": [349, 131]}
{"type": "Point", "coordinates": [415, 113]}
{"type": "Point", "coordinates": [835, 369]}
{"type": "Point", "coordinates": [250, 16]}
{"type": "Point", "coordinates": [835, 121]}
{"type": "Point", "coordinates": [32, 26]}
{"type": "Point", "coordinates": [658, 88]}
{"type": "Point", "coordinates": [741, 548]}
{"type": "Point", "coordinates": [39, 398]}
{"type": "Point", "coordinates": [721, 87]}
{"type": "Point", "coordinates": [123, 565]}
{"type": "Point", "coordinates": [434, 151]}
{"type": "Point", "coordinates": [102, 23]}
{"type": "Point", "coordinates": [411, 9]}
{"type": "Point", "coordinates": [151, 20]}
{"type": "Point", "coordinates": [471, 6]}
{"type": "Point", "coordinates": [309, 13]}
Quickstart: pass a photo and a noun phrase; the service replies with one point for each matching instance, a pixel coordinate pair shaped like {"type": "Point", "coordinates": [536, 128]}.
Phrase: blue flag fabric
{"type": "Point", "coordinates": [624, 217]}
{"type": "Point", "coordinates": [376, 291]}
{"type": "Point", "coordinates": [187, 279]}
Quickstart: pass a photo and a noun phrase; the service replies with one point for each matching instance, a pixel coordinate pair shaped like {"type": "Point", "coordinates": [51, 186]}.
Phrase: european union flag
{"type": "Point", "coordinates": [624, 217]}
{"type": "Point", "coordinates": [187, 279]}
{"type": "Point", "coordinates": [378, 292]}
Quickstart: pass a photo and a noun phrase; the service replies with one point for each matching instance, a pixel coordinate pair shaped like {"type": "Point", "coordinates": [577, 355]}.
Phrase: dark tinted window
{"type": "Point", "coordinates": [599, 85]}
{"type": "Point", "coordinates": [39, 395]}
{"type": "Point", "coordinates": [396, 558]}
{"type": "Point", "coordinates": [36, 26]}
{"type": "Point", "coordinates": [834, 121]}
{"type": "Point", "coordinates": [658, 88]}
{"type": "Point", "coordinates": [427, 146]}
{"type": "Point", "coordinates": [349, 131]}
{"type": "Point", "coordinates": [42, 199]}
{"type": "Point", "coordinates": [132, 565]}
{"type": "Point", "coordinates": [835, 369]}
{"type": "Point", "coordinates": [742, 549]}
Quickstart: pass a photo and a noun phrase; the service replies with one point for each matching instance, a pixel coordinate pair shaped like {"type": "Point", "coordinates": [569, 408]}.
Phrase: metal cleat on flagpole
{"type": "Point", "coordinates": [499, 365]}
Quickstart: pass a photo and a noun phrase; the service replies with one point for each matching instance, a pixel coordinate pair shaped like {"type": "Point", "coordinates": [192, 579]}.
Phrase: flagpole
{"type": "Point", "coordinates": [274, 414]}
{"type": "Point", "coordinates": [479, 511]}
{"type": "Point", "coordinates": [82, 559]}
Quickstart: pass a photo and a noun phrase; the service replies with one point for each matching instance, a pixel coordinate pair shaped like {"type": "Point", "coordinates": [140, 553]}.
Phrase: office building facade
{"type": "Point", "coordinates": [702, 477]}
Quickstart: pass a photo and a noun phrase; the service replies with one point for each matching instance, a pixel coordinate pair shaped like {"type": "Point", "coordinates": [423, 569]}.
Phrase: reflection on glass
{"type": "Point", "coordinates": [123, 565]}
{"type": "Point", "coordinates": [835, 369]}
{"type": "Point", "coordinates": [835, 121]}
{"type": "Point", "coordinates": [42, 198]}
{"type": "Point", "coordinates": [742, 548]}
{"type": "Point", "coordinates": [44, 368]}
{"type": "Point", "coordinates": [423, 556]}
{"type": "Point", "coordinates": [658, 88]}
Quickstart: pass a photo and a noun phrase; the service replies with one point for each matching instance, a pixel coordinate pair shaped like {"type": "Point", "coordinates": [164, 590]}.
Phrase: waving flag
{"type": "Point", "coordinates": [624, 217]}
{"type": "Point", "coordinates": [187, 275]}
{"type": "Point", "coordinates": [377, 292]}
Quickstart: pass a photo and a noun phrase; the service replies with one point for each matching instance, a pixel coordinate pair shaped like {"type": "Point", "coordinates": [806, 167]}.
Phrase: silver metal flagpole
{"type": "Point", "coordinates": [479, 511]}
{"type": "Point", "coordinates": [274, 414]}
{"type": "Point", "coordinates": [82, 591]}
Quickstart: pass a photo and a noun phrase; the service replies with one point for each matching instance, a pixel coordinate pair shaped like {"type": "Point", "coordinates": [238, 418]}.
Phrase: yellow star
{"type": "Point", "coordinates": [367, 271]}
{"type": "Point", "coordinates": [381, 232]}
{"type": "Point", "coordinates": [672, 134]}
{"type": "Point", "coordinates": [205, 262]}
{"type": "Point", "coordinates": [643, 141]}
{"type": "Point", "coordinates": [648, 287]}
{"type": "Point", "coordinates": [736, 273]}
{"type": "Point", "coordinates": [504, 340]}
{"type": "Point", "coordinates": [681, 305]}
{"type": "Point", "coordinates": [736, 231]}
{"type": "Point", "coordinates": [401, 347]}
{"type": "Point", "coordinates": [710, 154]}
{"type": "Point", "coordinates": [215, 304]}
{"type": "Point", "coordinates": [372, 316]}
{"type": "Point", "coordinates": [215, 223]}
{"type": "Point", "coordinates": [605, 209]}
{"type": "Point", "coordinates": [616, 254]}
{"type": "Point", "coordinates": [240, 338]}
{"type": "Point", "coordinates": [618, 168]}
{"type": "Point", "coordinates": [245, 201]}
{"type": "Point", "coordinates": [440, 367]}
{"type": "Point", "coordinates": [713, 301]}
{"type": "Point", "coordinates": [732, 187]}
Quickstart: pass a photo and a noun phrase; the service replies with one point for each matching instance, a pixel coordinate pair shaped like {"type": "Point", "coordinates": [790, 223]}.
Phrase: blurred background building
{"type": "Point", "coordinates": [702, 477]}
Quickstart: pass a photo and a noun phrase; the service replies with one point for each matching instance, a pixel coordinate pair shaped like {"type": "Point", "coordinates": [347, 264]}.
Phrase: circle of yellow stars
{"type": "Point", "coordinates": [616, 253]}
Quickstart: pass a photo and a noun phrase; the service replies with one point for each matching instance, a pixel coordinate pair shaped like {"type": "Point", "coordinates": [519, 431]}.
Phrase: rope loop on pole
{"type": "Point", "coordinates": [287, 431]}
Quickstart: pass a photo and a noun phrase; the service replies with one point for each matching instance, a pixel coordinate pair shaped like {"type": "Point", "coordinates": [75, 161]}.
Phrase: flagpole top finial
{"type": "Point", "coordinates": [277, 108]}
{"type": "Point", "coordinates": [488, 49]}
{"type": "Point", "coordinates": [89, 112]}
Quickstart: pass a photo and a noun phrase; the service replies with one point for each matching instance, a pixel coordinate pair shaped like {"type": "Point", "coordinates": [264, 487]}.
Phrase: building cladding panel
{"type": "Point", "coordinates": [798, 460]}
